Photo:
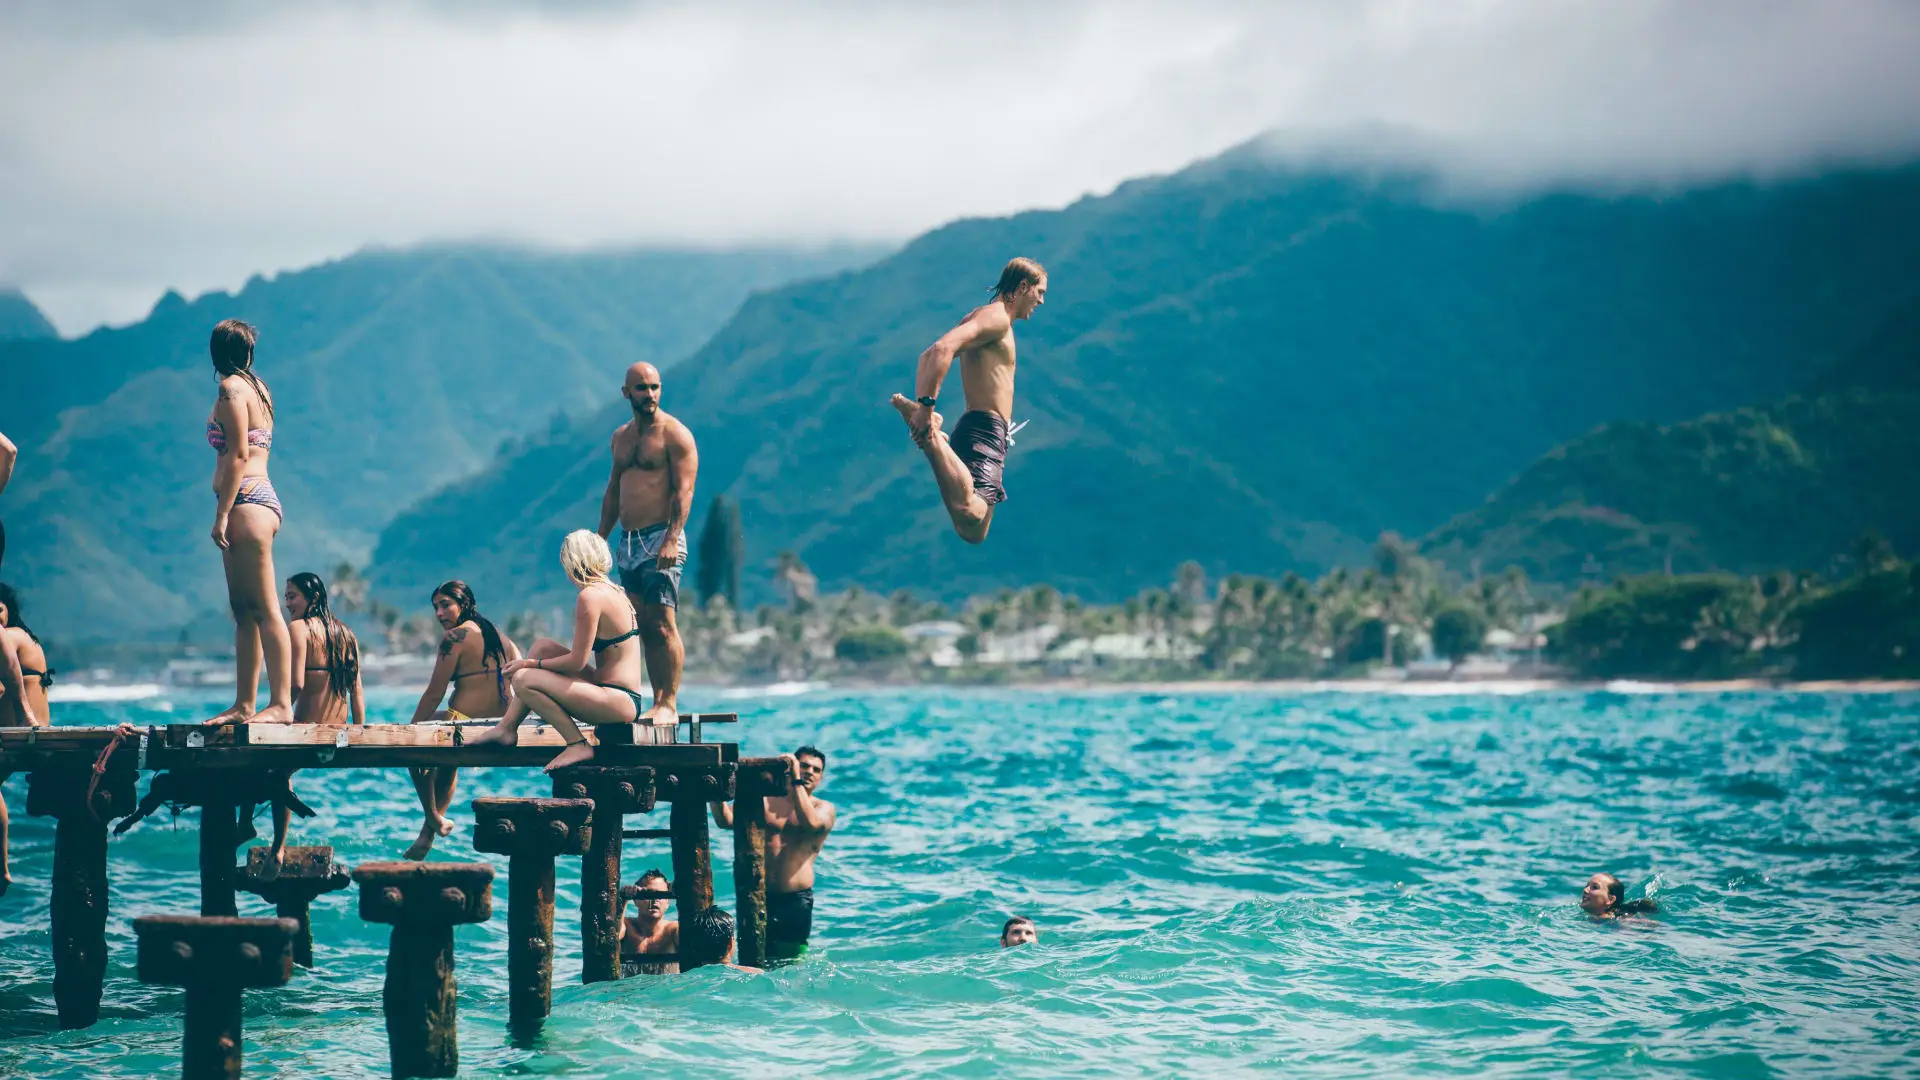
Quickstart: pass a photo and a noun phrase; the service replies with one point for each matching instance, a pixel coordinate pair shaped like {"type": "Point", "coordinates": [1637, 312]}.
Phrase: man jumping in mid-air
{"type": "Point", "coordinates": [967, 464]}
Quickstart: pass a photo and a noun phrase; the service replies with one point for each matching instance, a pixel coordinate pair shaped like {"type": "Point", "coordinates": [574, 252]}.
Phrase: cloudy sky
{"type": "Point", "coordinates": [192, 143]}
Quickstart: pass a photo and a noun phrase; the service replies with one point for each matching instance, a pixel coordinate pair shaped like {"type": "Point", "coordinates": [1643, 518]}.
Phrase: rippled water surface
{"type": "Point", "coordinates": [1322, 885]}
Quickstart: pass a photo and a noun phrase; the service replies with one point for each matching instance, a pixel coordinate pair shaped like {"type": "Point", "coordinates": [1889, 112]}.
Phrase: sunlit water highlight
{"type": "Point", "coordinates": [1320, 884]}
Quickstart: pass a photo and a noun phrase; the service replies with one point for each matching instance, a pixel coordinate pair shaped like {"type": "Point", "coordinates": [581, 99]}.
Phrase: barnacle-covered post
{"type": "Point", "coordinates": [690, 790]}
{"type": "Point", "coordinates": [78, 905]}
{"type": "Point", "coordinates": [615, 790]}
{"type": "Point", "coordinates": [214, 958]}
{"type": "Point", "coordinates": [423, 902]}
{"type": "Point", "coordinates": [755, 780]}
{"type": "Point", "coordinates": [531, 833]}
{"type": "Point", "coordinates": [304, 874]}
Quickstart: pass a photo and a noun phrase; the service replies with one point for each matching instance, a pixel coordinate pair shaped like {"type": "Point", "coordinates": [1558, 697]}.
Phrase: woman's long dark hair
{"type": "Point", "coordinates": [232, 349]}
{"type": "Point", "coordinates": [18, 620]}
{"type": "Point", "coordinates": [492, 650]}
{"type": "Point", "coordinates": [343, 649]}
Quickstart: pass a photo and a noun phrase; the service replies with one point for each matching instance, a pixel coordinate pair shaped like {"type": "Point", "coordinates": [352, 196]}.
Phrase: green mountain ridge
{"type": "Point", "coordinates": [1788, 485]}
{"type": "Point", "coordinates": [393, 374]}
{"type": "Point", "coordinates": [21, 319]}
{"type": "Point", "coordinates": [1257, 368]}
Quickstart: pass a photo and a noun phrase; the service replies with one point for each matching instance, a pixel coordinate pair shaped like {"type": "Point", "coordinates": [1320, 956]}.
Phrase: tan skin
{"type": "Point", "coordinates": [461, 664]}
{"type": "Point", "coordinates": [1020, 933]}
{"type": "Point", "coordinates": [650, 931]}
{"type": "Point", "coordinates": [655, 463]}
{"type": "Point", "coordinates": [983, 344]}
{"type": "Point", "coordinates": [23, 651]}
{"type": "Point", "coordinates": [564, 688]}
{"type": "Point", "coordinates": [244, 535]}
{"type": "Point", "coordinates": [314, 702]}
{"type": "Point", "coordinates": [1598, 900]}
{"type": "Point", "coordinates": [797, 826]}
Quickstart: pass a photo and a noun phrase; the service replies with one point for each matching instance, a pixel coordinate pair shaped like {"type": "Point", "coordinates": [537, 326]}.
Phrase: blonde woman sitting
{"type": "Point", "coordinates": [597, 680]}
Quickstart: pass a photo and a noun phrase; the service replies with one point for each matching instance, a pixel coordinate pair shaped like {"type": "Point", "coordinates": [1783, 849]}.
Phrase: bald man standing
{"type": "Point", "coordinates": [650, 496]}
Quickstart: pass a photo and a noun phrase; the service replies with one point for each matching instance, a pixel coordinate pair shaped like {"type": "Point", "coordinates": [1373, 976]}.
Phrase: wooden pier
{"type": "Point", "coordinates": [88, 776]}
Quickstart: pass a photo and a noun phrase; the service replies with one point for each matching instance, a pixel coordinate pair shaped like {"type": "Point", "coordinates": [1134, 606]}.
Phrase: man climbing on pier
{"type": "Point", "coordinates": [797, 827]}
{"type": "Point", "coordinates": [968, 464]}
{"type": "Point", "coordinates": [650, 496]}
{"type": "Point", "coordinates": [650, 932]}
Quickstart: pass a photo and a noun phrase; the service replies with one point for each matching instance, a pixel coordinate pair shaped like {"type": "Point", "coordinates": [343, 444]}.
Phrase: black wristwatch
{"type": "Point", "coordinates": [927, 401]}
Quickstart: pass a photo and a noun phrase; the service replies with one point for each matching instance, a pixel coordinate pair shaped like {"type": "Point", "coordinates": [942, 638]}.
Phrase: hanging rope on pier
{"type": "Point", "coordinates": [120, 735]}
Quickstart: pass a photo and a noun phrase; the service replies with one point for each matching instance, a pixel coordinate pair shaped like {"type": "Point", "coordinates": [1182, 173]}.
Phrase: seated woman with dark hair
{"type": "Point", "coordinates": [1605, 898]}
{"type": "Point", "coordinates": [473, 660]}
{"type": "Point", "coordinates": [23, 692]}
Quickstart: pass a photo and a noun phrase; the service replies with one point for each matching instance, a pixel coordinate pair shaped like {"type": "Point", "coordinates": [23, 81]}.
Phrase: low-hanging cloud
{"type": "Point", "coordinates": [188, 145]}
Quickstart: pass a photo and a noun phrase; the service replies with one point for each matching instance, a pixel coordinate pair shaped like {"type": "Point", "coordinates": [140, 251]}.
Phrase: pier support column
{"type": "Point", "coordinates": [219, 835]}
{"type": "Point", "coordinates": [755, 780]}
{"type": "Point", "coordinates": [423, 902]}
{"type": "Point", "coordinates": [615, 790]}
{"type": "Point", "coordinates": [215, 958]}
{"type": "Point", "coordinates": [78, 906]}
{"type": "Point", "coordinates": [305, 873]}
{"type": "Point", "coordinates": [690, 791]}
{"type": "Point", "coordinates": [531, 833]}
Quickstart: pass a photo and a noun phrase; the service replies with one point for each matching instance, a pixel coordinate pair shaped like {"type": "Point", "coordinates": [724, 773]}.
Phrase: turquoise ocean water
{"type": "Point", "coordinates": [1317, 885]}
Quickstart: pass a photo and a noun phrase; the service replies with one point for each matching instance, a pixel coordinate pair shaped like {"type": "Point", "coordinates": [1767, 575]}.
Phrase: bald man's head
{"type": "Point", "coordinates": [642, 389]}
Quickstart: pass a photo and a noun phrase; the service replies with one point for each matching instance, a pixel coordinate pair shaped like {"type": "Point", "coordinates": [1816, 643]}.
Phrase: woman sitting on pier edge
{"type": "Point", "coordinates": [473, 658]}
{"type": "Point", "coordinates": [28, 707]}
{"type": "Point", "coordinates": [246, 517]}
{"type": "Point", "coordinates": [597, 679]}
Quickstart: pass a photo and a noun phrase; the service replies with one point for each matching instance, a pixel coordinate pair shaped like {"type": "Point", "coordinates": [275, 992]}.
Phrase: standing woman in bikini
{"type": "Point", "coordinates": [595, 681]}
{"type": "Point", "coordinates": [35, 677]}
{"type": "Point", "coordinates": [473, 659]}
{"type": "Point", "coordinates": [246, 516]}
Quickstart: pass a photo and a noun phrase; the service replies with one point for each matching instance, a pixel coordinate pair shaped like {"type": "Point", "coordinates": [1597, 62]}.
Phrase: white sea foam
{"type": "Point", "coordinates": [779, 689]}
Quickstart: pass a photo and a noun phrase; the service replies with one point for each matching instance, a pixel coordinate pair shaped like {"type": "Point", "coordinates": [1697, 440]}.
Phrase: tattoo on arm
{"type": "Point", "coordinates": [446, 645]}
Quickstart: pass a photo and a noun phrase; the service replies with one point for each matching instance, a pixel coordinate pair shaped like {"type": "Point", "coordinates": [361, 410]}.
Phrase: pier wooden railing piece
{"type": "Point", "coordinates": [423, 902]}
{"type": "Point", "coordinates": [305, 873]}
{"type": "Point", "coordinates": [531, 833]}
{"type": "Point", "coordinates": [81, 806]}
{"type": "Point", "coordinates": [303, 746]}
{"type": "Point", "coordinates": [755, 780]}
{"type": "Point", "coordinates": [616, 790]}
{"type": "Point", "coordinates": [214, 959]}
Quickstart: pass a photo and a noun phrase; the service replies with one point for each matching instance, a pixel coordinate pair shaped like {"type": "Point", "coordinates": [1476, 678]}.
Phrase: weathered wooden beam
{"type": "Point", "coordinates": [692, 862]}
{"type": "Point", "coordinates": [423, 902]}
{"type": "Point", "coordinates": [531, 833]}
{"type": "Point", "coordinates": [755, 780]}
{"type": "Point", "coordinates": [305, 873]}
{"type": "Point", "coordinates": [393, 745]}
{"type": "Point", "coordinates": [702, 784]}
{"type": "Point", "coordinates": [78, 905]}
{"type": "Point", "coordinates": [214, 959]}
{"type": "Point", "coordinates": [616, 791]}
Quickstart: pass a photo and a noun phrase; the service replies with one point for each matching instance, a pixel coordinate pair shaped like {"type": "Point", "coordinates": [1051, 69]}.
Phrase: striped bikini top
{"type": "Point", "coordinates": [259, 438]}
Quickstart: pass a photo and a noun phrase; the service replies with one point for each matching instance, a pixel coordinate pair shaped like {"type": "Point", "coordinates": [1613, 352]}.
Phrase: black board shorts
{"type": "Point", "coordinates": [979, 440]}
{"type": "Point", "coordinates": [789, 924]}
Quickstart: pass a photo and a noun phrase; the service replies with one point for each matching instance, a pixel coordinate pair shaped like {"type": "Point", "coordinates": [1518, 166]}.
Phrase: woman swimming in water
{"type": "Point", "coordinates": [246, 517]}
{"type": "Point", "coordinates": [473, 659]}
{"type": "Point", "coordinates": [1604, 897]}
{"type": "Point", "coordinates": [26, 706]}
{"type": "Point", "coordinates": [597, 679]}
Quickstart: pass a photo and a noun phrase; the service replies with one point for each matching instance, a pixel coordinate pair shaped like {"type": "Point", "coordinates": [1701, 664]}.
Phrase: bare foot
{"type": "Point", "coordinates": [244, 831]}
{"type": "Point", "coordinates": [445, 826]}
{"type": "Point", "coordinates": [234, 714]}
{"type": "Point", "coordinates": [6, 881]}
{"type": "Point", "coordinates": [270, 866]}
{"type": "Point", "coordinates": [906, 407]}
{"type": "Point", "coordinates": [273, 714]}
{"type": "Point", "coordinates": [576, 754]}
{"type": "Point", "coordinates": [497, 735]}
{"type": "Point", "coordinates": [422, 844]}
{"type": "Point", "coordinates": [664, 715]}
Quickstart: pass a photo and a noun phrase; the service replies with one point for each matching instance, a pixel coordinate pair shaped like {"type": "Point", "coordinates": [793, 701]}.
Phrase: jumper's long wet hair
{"type": "Point", "coordinates": [493, 652]}
{"type": "Point", "coordinates": [342, 648]}
{"type": "Point", "coordinates": [232, 349]}
{"type": "Point", "coordinates": [1018, 273]}
{"type": "Point", "coordinates": [17, 619]}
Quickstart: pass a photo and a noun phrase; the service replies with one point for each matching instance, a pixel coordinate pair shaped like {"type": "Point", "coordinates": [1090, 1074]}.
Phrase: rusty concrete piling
{"type": "Point", "coordinates": [531, 833]}
{"type": "Point", "coordinates": [305, 873]}
{"type": "Point", "coordinates": [755, 779]}
{"type": "Point", "coordinates": [423, 902]}
{"type": "Point", "coordinates": [616, 791]}
{"type": "Point", "coordinates": [81, 808]}
{"type": "Point", "coordinates": [214, 958]}
{"type": "Point", "coordinates": [690, 790]}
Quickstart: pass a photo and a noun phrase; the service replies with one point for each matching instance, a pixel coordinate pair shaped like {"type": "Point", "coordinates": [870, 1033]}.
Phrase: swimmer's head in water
{"type": "Point", "coordinates": [812, 762]}
{"type": "Point", "coordinates": [1602, 894]}
{"type": "Point", "coordinates": [1018, 931]}
{"type": "Point", "coordinates": [1022, 286]}
{"type": "Point", "coordinates": [653, 881]}
{"type": "Point", "coordinates": [642, 389]}
{"type": "Point", "coordinates": [706, 937]}
{"type": "Point", "coordinates": [584, 556]}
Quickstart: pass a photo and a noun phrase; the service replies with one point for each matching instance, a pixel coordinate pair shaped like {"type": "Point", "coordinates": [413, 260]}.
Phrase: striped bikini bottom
{"type": "Point", "coordinates": [258, 491]}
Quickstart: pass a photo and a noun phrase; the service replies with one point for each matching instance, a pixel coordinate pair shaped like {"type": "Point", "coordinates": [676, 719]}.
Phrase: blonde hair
{"type": "Point", "coordinates": [1020, 272]}
{"type": "Point", "coordinates": [585, 558]}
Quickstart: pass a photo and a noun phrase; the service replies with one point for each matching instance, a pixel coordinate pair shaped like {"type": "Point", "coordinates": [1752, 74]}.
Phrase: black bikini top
{"type": "Point", "coordinates": [602, 644]}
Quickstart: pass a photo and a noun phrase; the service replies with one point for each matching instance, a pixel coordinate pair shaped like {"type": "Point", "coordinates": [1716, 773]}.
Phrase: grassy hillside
{"type": "Point", "coordinates": [1254, 368]}
{"type": "Point", "coordinates": [1791, 484]}
{"type": "Point", "coordinates": [393, 374]}
{"type": "Point", "coordinates": [20, 319]}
